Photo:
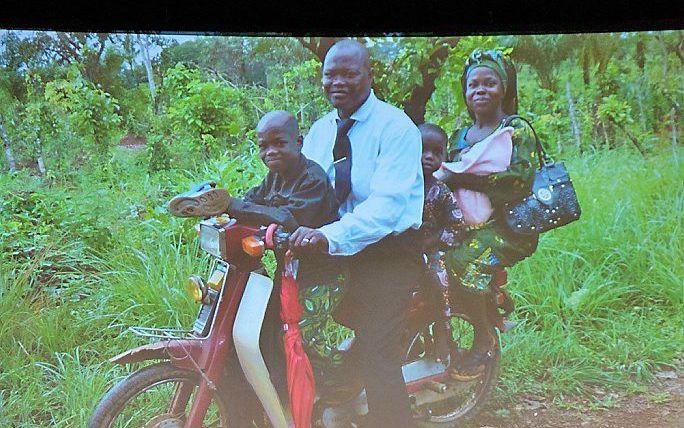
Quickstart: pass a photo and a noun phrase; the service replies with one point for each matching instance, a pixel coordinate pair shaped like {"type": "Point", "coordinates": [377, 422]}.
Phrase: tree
{"type": "Point", "coordinates": [9, 156]}
{"type": "Point", "coordinates": [7, 108]}
{"type": "Point", "coordinates": [87, 111]}
{"type": "Point", "coordinates": [143, 42]}
{"type": "Point", "coordinates": [206, 114]}
{"type": "Point", "coordinates": [544, 54]}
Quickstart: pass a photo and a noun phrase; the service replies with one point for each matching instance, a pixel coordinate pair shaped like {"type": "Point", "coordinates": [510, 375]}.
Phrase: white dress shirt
{"type": "Point", "coordinates": [386, 175]}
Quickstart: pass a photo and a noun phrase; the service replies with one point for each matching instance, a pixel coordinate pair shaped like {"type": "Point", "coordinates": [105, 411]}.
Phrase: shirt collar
{"type": "Point", "coordinates": [297, 170]}
{"type": "Point", "coordinates": [361, 114]}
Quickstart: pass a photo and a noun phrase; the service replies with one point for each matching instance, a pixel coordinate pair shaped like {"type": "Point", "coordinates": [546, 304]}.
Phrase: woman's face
{"type": "Point", "coordinates": [484, 91]}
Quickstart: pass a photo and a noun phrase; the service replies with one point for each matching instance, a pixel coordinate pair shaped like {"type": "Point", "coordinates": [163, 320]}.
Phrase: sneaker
{"type": "Point", "coordinates": [201, 201]}
{"type": "Point", "coordinates": [470, 367]}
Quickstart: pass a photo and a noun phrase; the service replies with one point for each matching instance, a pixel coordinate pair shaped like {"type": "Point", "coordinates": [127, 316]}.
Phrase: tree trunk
{"type": "Point", "coordinates": [319, 46]}
{"type": "Point", "coordinates": [673, 119]}
{"type": "Point", "coordinates": [8, 149]}
{"type": "Point", "coordinates": [573, 117]}
{"type": "Point", "coordinates": [639, 54]}
{"type": "Point", "coordinates": [605, 136]}
{"type": "Point", "coordinates": [416, 105]}
{"type": "Point", "coordinates": [148, 68]}
{"type": "Point", "coordinates": [631, 138]}
{"type": "Point", "coordinates": [39, 157]}
{"type": "Point", "coordinates": [640, 101]}
{"type": "Point", "coordinates": [586, 75]}
{"type": "Point", "coordinates": [302, 106]}
{"type": "Point", "coordinates": [663, 61]}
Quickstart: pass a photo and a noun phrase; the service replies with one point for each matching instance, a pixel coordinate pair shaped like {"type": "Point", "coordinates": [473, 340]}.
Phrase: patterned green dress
{"type": "Point", "coordinates": [493, 243]}
{"type": "Point", "coordinates": [320, 333]}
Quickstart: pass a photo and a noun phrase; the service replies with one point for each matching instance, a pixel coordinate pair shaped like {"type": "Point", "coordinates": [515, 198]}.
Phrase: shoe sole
{"type": "Point", "coordinates": [208, 203]}
{"type": "Point", "coordinates": [465, 378]}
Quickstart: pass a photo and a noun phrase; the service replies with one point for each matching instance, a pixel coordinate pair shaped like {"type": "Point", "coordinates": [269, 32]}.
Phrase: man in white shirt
{"type": "Point", "coordinates": [374, 161]}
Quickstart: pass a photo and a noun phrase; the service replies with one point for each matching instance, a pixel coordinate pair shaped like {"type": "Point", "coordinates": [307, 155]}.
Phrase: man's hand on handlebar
{"type": "Point", "coordinates": [305, 240]}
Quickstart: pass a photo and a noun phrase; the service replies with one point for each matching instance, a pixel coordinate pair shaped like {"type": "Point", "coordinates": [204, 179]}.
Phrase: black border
{"type": "Point", "coordinates": [289, 17]}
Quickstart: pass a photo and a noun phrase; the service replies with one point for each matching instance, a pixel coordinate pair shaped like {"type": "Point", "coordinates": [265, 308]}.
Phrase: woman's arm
{"type": "Point", "coordinates": [451, 217]}
{"type": "Point", "coordinates": [509, 185]}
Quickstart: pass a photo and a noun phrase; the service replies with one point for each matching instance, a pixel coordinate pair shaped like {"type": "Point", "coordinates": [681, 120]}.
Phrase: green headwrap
{"type": "Point", "coordinates": [490, 59]}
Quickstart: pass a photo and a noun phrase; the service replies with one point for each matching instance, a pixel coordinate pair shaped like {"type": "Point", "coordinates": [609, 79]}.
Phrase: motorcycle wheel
{"type": "Point", "coordinates": [464, 398]}
{"type": "Point", "coordinates": [143, 400]}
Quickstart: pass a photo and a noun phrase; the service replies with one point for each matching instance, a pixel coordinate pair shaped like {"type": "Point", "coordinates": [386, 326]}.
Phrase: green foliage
{"type": "Point", "coordinates": [90, 113]}
{"type": "Point", "coordinates": [606, 308]}
{"type": "Point", "coordinates": [615, 110]}
{"type": "Point", "coordinates": [298, 91]}
{"type": "Point", "coordinates": [396, 74]}
{"type": "Point", "coordinates": [135, 110]}
{"type": "Point", "coordinates": [204, 115]}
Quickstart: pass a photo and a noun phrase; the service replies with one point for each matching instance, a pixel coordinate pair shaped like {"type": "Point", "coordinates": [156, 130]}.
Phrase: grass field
{"type": "Point", "coordinates": [601, 302]}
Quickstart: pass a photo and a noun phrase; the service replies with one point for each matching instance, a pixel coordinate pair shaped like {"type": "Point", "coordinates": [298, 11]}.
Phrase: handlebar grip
{"type": "Point", "coordinates": [277, 237]}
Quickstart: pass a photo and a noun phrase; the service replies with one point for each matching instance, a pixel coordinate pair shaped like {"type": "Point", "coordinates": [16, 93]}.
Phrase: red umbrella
{"type": "Point", "coordinates": [300, 379]}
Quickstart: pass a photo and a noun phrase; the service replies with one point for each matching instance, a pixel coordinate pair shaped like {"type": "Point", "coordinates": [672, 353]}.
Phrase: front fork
{"type": "Point", "coordinates": [237, 323]}
{"type": "Point", "coordinates": [214, 350]}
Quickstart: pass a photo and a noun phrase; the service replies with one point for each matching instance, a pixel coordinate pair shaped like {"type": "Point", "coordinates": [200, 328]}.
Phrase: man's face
{"type": "Point", "coordinates": [346, 80]}
{"type": "Point", "coordinates": [484, 91]}
{"type": "Point", "coordinates": [278, 149]}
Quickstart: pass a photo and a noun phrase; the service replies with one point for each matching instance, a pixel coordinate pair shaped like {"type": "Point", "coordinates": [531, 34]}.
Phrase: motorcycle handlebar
{"type": "Point", "coordinates": [277, 238]}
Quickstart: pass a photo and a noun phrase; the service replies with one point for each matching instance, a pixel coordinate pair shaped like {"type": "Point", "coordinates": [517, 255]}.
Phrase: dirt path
{"type": "Point", "coordinates": [661, 407]}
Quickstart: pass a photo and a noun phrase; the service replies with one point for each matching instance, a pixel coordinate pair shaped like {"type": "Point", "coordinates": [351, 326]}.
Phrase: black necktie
{"type": "Point", "coordinates": [342, 159]}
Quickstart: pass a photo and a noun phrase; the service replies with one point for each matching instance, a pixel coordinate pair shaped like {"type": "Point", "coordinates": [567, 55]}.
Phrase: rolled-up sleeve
{"type": "Point", "coordinates": [395, 195]}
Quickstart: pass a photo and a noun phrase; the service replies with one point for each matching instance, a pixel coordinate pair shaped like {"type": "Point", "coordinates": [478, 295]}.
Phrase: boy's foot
{"type": "Point", "coordinates": [205, 202]}
{"type": "Point", "coordinates": [470, 367]}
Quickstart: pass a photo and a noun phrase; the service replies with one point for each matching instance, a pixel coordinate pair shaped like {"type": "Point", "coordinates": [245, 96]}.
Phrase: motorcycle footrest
{"type": "Point", "coordinates": [509, 325]}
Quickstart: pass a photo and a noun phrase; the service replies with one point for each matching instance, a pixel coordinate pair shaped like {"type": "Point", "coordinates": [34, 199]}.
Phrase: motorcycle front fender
{"type": "Point", "coordinates": [180, 352]}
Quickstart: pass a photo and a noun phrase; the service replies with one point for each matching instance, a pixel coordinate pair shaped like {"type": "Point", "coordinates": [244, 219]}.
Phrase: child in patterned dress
{"type": "Point", "coordinates": [442, 229]}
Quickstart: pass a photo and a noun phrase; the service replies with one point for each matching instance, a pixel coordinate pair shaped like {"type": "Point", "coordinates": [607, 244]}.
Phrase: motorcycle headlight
{"type": "Point", "coordinates": [212, 240]}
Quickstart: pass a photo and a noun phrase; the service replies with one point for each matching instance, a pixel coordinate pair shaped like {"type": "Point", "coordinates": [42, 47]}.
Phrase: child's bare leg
{"type": "Point", "coordinates": [442, 328]}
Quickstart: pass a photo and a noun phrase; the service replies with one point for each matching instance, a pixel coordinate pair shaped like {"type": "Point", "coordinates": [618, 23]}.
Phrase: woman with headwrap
{"type": "Point", "coordinates": [491, 162]}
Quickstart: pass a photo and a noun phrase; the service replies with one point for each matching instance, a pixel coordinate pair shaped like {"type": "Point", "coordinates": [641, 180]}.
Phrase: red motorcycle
{"type": "Point", "coordinates": [188, 386]}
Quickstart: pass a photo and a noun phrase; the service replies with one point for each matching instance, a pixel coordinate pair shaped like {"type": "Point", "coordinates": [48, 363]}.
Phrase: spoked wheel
{"type": "Point", "coordinates": [462, 398]}
{"type": "Point", "coordinates": [157, 396]}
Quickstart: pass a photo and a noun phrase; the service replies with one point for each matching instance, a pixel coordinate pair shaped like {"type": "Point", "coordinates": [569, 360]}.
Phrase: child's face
{"type": "Point", "coordinates": [278, 148]}
{"type": "Point", "coordinates": [433, 151]}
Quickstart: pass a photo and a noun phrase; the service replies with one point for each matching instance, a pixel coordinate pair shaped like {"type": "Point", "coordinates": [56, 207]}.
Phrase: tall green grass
{"type": "Point", "coordinates": [601, 302]}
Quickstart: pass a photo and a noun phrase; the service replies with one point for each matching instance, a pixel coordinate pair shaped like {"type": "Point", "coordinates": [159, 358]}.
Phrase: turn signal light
{"type": "Point", "coordinates": [196, 288]}
{"type": "Point", "coordinates": [253, 246]}
{"type": "Point", "coordinates": [216, 280]}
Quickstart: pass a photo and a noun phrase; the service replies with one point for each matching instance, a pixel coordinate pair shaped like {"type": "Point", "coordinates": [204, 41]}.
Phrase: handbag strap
{"type": "Point", "coordinates": [544, 158]}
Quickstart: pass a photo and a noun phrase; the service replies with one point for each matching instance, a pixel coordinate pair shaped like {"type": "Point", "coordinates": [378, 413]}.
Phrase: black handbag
{"type": "Point", "coordinates": [552, 202]}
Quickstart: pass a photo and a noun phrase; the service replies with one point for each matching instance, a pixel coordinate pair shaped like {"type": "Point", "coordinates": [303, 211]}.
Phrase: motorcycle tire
{"type": "Point", "coordinates": [120, 401]}
{"type": "Point", "coordinates": [453, 411]}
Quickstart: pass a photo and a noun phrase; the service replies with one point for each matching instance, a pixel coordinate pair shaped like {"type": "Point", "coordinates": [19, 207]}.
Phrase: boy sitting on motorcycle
{"type": "Point", "coordinates": [295, 192]}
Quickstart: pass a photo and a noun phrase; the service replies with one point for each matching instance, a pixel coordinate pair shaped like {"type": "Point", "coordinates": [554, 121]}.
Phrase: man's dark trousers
{"type": "Point", "coordinates": [380, 281]}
